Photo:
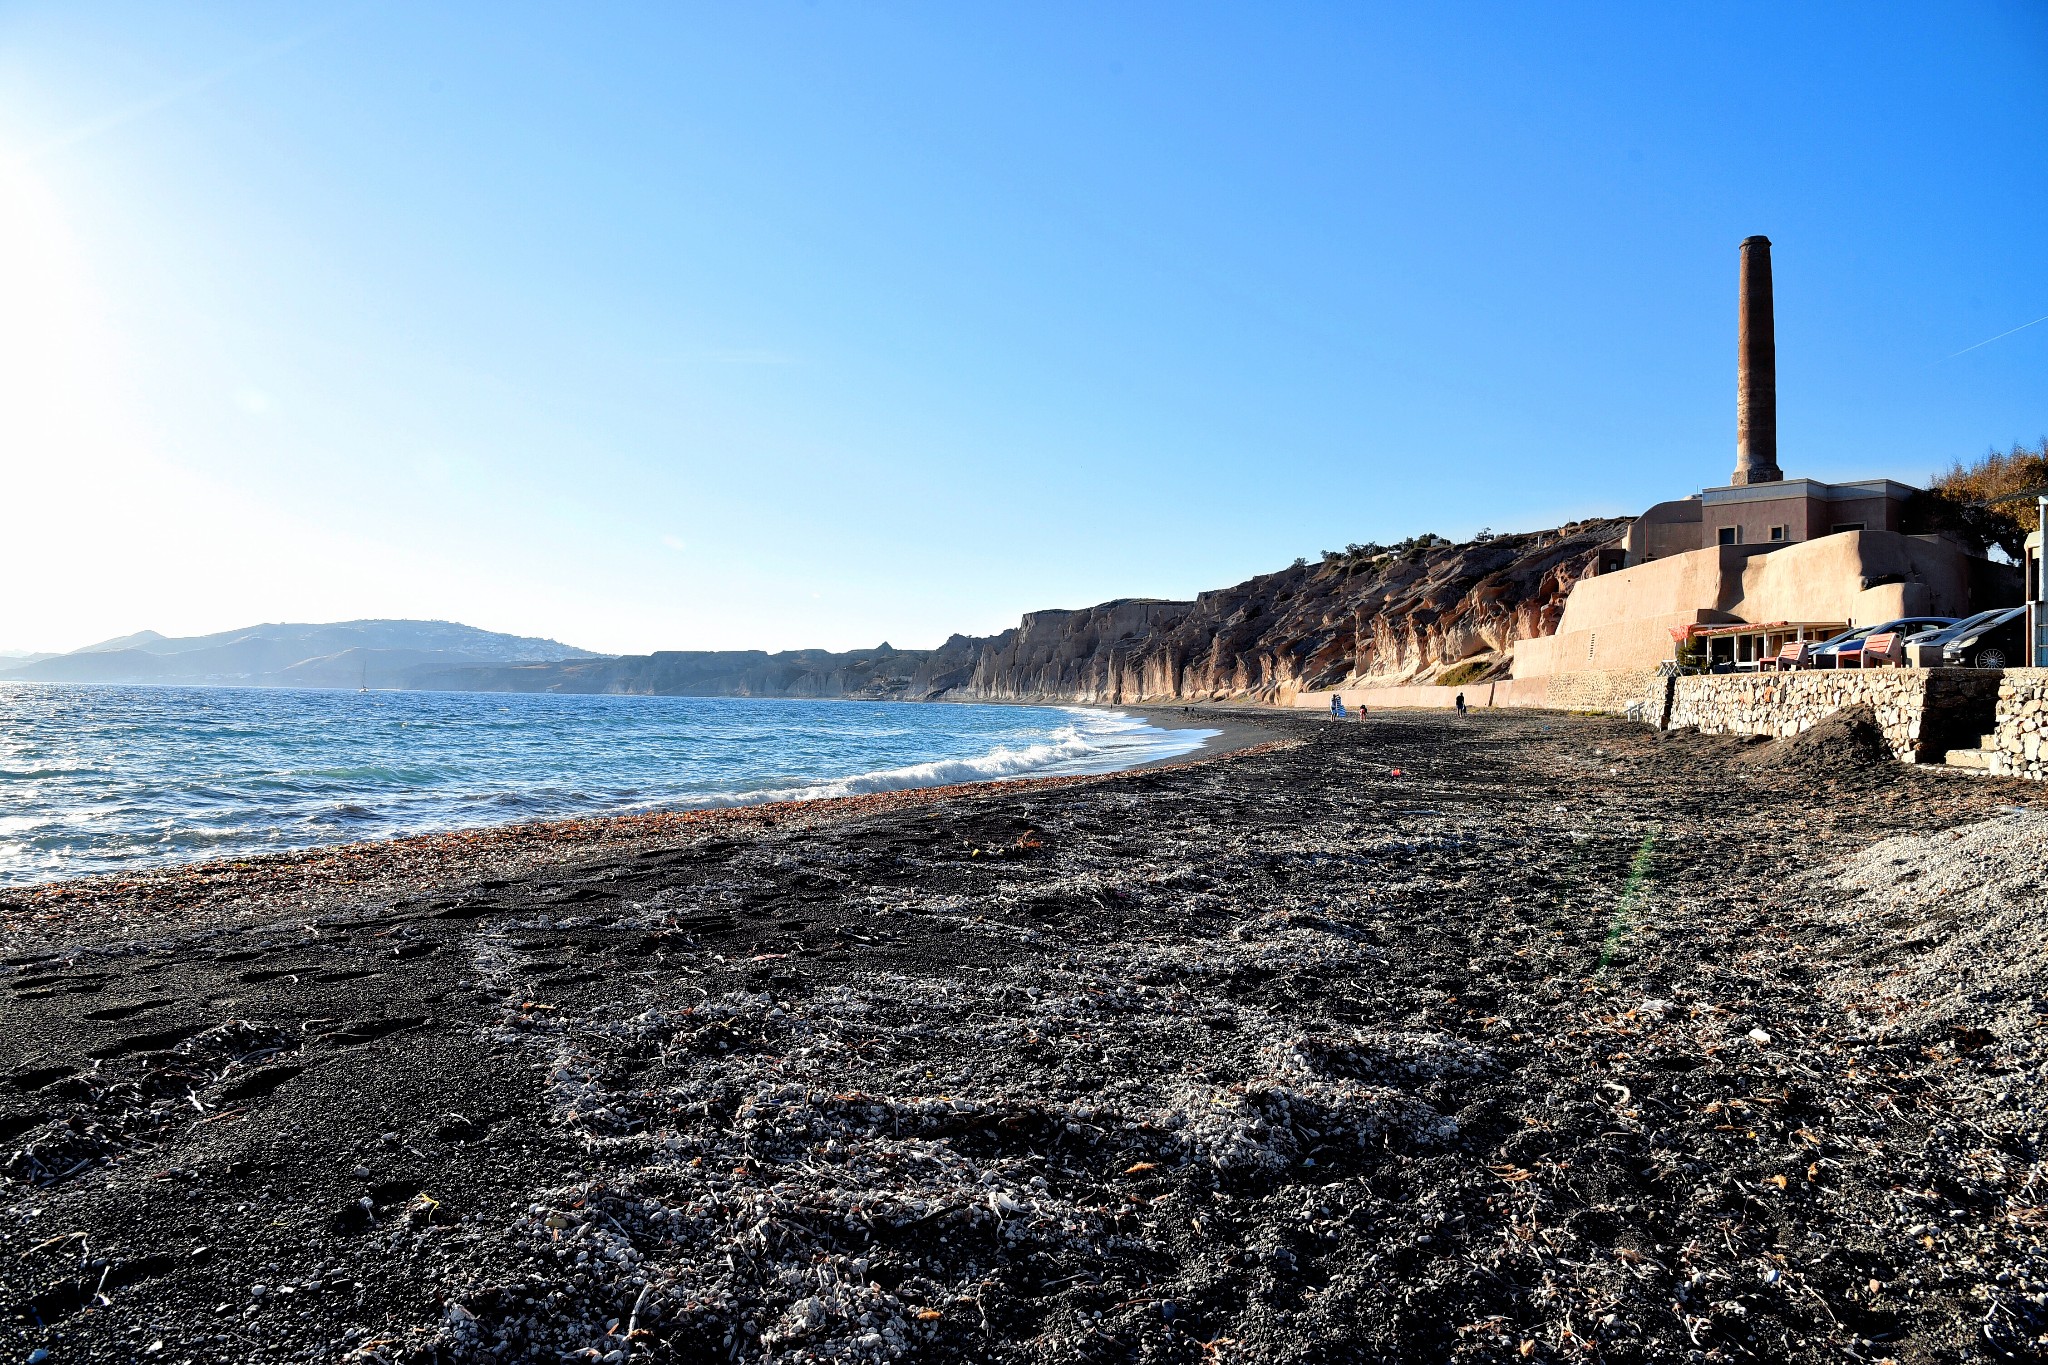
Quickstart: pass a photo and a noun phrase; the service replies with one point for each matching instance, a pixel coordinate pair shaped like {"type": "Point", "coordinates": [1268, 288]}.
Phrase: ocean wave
{"type": "Point", "coordinates": [344, 813]}
{"type": "Point", "coordinates": [1102, 742]}
{"type": "Point", "coordinates": [151, 777]}
{"type": "Point", "coordinates": [45, 774]}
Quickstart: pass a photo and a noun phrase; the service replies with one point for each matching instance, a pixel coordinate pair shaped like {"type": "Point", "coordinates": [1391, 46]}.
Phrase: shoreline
{"type": "Point", "coordinates": [447, 858]}
{"type": "Point", "coordinates": [1232, 732]}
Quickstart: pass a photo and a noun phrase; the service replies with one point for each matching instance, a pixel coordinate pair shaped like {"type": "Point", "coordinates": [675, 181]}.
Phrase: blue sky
{"type": "Point", "coordinates": [776, 325]}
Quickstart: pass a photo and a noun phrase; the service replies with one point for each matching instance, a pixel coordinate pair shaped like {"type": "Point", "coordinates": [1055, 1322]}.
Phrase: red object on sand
{"type": "Point", "coordinates": [1395, 773]}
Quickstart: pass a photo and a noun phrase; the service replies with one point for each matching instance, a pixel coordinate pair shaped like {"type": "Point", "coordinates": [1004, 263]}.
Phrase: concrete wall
{"type": "Point", "coordinates": [2021, 732]}
{"type": "Point", "coordinates": [1804, 518]}
{"type": "Point", "coordinates": [1876, 513]}
{"type": "Point", "coordinates": [1923, 712]}
{"type": "Point", "coordinates": [1825, 580]}
{"type": "Point", "coordinates": [1637, 691]}
{"type": "Point", "coordinates": [1479, 696]}
{"type": "Point", "coordinates": [1669, 528]}
{"type": "Point", "coordinates": [1641, 643]}
{"type": "Point", "coordinates": [1681, 586]}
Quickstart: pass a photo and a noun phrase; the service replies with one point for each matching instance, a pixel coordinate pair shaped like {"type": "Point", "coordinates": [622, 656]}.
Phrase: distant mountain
{"type": "Point", "coordinates": [881, 673]}
{"type": "Point", "coordinates": [341, 654]}
{"type": "Point", "coordinates": [141, 639]}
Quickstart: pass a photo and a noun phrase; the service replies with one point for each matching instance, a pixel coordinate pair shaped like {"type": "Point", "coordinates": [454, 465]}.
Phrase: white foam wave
{"type": "Point", "coordinates": [1094, 742]}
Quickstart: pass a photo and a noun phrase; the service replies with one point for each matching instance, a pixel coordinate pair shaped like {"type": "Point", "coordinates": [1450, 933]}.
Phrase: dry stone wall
{"type": "Point", "coordinates": [1638, 693]}
{"type": "Point", "coordinates": [2022, 730]}
{"type": "Point", "coordinates": [1923, 711]}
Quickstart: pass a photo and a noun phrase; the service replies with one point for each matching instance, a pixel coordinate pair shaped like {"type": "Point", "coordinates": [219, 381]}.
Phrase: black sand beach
{"type": "Point", "coordinates": [1501, 1037]}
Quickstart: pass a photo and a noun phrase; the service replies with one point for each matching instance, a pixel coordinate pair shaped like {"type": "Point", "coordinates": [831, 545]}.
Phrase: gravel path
{"type": "Point", "coordinates": [1501, 1037]}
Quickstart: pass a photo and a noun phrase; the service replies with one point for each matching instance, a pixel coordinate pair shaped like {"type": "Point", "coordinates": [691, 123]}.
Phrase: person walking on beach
{"type": "Point", "coordinates": [1337, 705]}
{"type": "Point", "coordinates": [1461, 703]}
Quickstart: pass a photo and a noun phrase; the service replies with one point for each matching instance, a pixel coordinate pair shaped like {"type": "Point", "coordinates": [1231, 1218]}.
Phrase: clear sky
{"type": "Point", "coordinates": [753, 324]}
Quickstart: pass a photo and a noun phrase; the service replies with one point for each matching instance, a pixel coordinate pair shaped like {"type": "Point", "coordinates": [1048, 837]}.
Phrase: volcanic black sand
{"type": "Point", "coordinates": [1566, 1041]}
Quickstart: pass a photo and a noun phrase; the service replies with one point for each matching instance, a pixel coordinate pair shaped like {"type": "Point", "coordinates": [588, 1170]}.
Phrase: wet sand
{"type": "Point", "coordinates": [1570, 1041]}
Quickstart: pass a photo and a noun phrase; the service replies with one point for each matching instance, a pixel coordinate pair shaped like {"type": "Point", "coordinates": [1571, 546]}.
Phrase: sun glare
{"type": "Point", "coordinates": [92, 510]}
{"type": "Point", "coordinates": [48, 353]}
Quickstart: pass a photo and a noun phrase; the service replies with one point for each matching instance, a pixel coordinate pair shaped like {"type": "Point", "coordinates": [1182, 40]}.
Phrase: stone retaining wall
{"type": "Point", "coordinates": [2022, 731]}
{"type": "Point", "coordinates": [1924, 712]}
{"type": "Point", "coordinates": [1638, 693]}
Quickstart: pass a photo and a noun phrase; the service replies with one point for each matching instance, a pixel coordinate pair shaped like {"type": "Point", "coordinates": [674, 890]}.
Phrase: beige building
{"type": "Point", "coordinates": [1626, 619]}
{"type": "Point", "coordinates": [1781, 512]}
{"type": "Point", "coordinates": [1787, 557]}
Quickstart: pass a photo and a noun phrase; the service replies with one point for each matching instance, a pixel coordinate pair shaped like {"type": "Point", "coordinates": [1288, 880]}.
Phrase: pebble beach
{"type": "Point", "coordinates": [1500, 1037]}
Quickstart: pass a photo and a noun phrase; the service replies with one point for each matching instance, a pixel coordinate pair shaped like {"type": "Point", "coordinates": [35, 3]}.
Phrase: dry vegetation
{"type": "Point", "coordinates": [1990, 502]}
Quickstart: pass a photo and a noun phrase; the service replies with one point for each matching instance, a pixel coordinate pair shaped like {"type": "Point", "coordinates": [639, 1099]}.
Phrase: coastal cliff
{"type": "Point", "coordinates": [1370, 614]}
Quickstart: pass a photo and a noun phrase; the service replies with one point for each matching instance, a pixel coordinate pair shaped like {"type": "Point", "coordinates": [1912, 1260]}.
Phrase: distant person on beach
{"type": "Point", "coordinates": [1461, 703]}
{"type": "Point", "coordinates": [1337, 704]}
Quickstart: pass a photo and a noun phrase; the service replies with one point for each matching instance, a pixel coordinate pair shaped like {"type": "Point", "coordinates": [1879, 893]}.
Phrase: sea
{"type": "Point", "coordinates": [107, 779]}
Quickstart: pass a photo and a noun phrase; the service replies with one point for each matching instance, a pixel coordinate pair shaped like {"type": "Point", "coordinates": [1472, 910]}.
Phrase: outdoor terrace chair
{"type": "Point", "coordinates": [1883, 649]}
{"type": "Point", "coordinates": [1795, 654]}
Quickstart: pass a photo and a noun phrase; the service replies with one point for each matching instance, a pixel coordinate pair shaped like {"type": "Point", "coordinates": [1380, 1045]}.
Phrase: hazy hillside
{"type": "Point", "coordinates": [880, 672]}
{"type": "Point", "coordinates": [341, 654]}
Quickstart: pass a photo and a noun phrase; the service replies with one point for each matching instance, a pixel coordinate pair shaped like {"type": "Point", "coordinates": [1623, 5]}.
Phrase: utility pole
{"type": "Point", "coordinates": [2037, 597]}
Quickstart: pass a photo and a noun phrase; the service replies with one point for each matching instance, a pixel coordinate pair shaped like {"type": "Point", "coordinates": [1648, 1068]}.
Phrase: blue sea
{"type": "Point", "coordinates": [97, 779]}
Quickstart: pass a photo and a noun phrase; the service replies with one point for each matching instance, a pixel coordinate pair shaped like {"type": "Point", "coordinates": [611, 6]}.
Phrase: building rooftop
{"type": "Point", "coordinates": [1807, 488]}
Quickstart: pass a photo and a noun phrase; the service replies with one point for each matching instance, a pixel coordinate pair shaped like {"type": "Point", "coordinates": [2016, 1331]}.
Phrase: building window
{"type": "Point", "coordinates": [1730, 535]}
{"type": "Point", "coordinates": [1777, 533]}
{"type": "Point", "coordinates": [1841, 526]}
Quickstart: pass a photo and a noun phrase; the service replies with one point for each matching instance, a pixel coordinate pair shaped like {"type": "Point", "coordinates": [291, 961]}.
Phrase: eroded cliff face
{"type": "Point", "coordinates": [1364, 618]}
{"type": "Point", "coordinates": [1367, 618]}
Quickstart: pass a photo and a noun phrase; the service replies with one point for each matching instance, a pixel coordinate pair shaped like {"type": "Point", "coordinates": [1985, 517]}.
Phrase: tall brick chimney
{"type": "Point", "coordinates": [1756, 370]}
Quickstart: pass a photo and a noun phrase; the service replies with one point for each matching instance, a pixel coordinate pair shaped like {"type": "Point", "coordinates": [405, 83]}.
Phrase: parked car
{"type": "Point", "coordinates": [1941, 635]}
{"type": "Point", "coordinates": [2000, 642]}
{"type": "Point", "coordinates": [1846, 650]}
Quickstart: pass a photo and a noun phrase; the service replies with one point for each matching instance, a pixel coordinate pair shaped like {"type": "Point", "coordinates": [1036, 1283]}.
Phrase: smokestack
{"type": "Point", "coordinates": [1756, 370]}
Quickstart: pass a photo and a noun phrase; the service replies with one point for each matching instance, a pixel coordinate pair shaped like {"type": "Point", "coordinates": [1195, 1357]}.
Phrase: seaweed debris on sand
{"type": "Point", "coordinates": [1573, 1041]}
{"type": "Point", "coordinates": [1844, 745]}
